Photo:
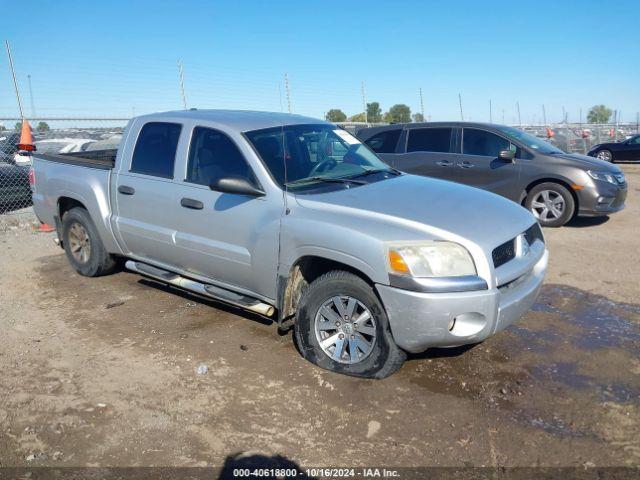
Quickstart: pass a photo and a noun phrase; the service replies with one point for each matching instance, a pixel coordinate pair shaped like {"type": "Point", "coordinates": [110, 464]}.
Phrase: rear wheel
{"type": "Point", "coordinates": [342, 326]}
{"type": "Point", "coordinates": [605, 155]}
{"type": "Point", "coordinates": [83, 246]}
{"type": "Point", "coordinates": [551, 203]}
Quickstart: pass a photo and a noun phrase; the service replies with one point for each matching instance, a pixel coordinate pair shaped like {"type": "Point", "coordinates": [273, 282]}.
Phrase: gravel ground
{"type": "Point", "coordinates": [122, 371]}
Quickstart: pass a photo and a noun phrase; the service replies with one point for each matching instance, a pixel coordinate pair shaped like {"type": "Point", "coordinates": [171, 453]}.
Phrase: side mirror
{"type": "Point", "coordinates": [239, 186]}
{"type": "Point", "coordinates": [507, 155]}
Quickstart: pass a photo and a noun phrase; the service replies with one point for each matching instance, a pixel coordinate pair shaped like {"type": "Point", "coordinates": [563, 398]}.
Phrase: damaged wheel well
{"type": "Point", "coordinates": [302, 273]}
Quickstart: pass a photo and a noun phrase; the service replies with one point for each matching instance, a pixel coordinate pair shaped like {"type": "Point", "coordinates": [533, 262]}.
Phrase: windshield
{"type": "Point", "coordinates": [308, 154]}
{"type": "Point", "coordinates": [528, 140]}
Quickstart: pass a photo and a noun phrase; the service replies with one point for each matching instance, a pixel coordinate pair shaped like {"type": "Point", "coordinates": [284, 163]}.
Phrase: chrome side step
{"type": "Point", "coordinates": [211, 291]}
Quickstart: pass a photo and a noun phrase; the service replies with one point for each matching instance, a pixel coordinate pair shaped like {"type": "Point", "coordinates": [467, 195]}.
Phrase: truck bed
{"type": "Point", "coordinates": [102, 159]}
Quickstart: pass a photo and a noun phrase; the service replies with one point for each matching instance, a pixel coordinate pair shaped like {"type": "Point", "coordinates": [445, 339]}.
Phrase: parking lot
{"type": "Point", "coordinates": [103, 372]}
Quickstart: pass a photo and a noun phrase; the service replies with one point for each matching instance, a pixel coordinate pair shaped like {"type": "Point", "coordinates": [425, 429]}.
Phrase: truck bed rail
{"type": "Point", "coordinates": [102, 159]}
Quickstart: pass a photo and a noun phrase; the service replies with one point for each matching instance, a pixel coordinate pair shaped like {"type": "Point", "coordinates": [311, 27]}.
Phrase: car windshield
{"type": "Point", "coordinates": [530, 141]}
{"type": "Point", "coordinates": [299, 155]}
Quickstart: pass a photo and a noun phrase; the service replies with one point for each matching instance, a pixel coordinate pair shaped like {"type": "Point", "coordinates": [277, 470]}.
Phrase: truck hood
{"type": "Point", "coordinates": [586, 162]}
{"type": "Point", "coordinates": [440, 208]}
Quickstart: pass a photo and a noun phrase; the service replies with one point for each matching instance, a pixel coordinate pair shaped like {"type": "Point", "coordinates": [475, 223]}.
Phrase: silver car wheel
{"type": "Point", "coordinates": [604, 155]}
{"type": "Point", "coordinates": [79, 243]}
{"type": "Point", "coordinates": [548, 205]}
{"type": "Point", "coordinates": [345, 329]}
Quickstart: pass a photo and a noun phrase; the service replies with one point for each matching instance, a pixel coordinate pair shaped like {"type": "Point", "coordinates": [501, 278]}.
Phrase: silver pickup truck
{"type": "Point", "coordinates": [294, 219]}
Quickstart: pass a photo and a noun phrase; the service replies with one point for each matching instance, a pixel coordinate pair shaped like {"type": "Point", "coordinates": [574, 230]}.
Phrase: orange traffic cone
{"type": "Point", "coordinates": [45, 228]}
{"type": "Point", "coordinates": [26, 138]}
{"type": "Point", "coordinates": [26, 145]}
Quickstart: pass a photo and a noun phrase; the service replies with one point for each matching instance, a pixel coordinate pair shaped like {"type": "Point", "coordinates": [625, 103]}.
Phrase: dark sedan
{"type": "Point", "coordinates": [625, 151]}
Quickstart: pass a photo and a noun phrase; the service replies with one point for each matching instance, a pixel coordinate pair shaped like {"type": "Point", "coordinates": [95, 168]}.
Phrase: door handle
{"type": "Point", "coordinates": [192, 204]}
{"type": "Point", "coordinates": [466, 165]}
{"type": "Point", "coordinates": [123, 189]}
{"type": "Point", "coordinates": [444, 163]}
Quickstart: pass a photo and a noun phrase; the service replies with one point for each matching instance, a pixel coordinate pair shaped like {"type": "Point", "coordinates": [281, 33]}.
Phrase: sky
{"type": "Point", "coordinates": [119, 58]}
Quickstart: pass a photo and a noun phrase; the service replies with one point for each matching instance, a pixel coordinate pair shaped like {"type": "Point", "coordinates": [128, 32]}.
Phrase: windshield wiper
{"type": "Point", "coordinates": [323, 179]}
{"type": "Point", "coordinates": [391, 170]}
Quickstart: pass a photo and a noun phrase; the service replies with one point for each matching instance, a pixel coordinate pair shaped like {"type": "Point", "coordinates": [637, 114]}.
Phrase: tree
{"type": "Point", "coordinates": [358, 117]}
{"type": "Point", "coordinates": [374, 112]}
{"type": "Point", "coordinates": [417, 117]}
{"type": "Point", "coordinates": [599, 114]}
{"type": "Point", "coordinates": [43, 127]}
{"type": "Point", "coordinates": [399, 113]}
{"type": "Point", "coordinates": [2, 128]}
{"type": "Point", "coordinates": [18, 126]}
{"type": "Point", "coordinates": [335, 115]}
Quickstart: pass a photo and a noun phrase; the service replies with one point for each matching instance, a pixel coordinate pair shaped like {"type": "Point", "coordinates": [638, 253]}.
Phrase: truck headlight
{"type": "Point", "coordinates": [429, 259]}
{"type": "Point", "coordinates": [604, 176]}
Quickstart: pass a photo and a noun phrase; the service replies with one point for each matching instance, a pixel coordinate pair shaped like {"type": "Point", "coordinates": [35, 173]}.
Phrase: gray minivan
{"type": "Point", "coordinates": [554, 185]}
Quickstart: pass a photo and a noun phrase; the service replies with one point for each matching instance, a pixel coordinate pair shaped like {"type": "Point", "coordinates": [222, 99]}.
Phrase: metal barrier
{"type": "Point", "coordinates": [66, 136]}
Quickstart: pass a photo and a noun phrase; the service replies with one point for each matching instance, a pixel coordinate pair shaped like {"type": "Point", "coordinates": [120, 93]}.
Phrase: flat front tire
{"type": "Point", "coordinates": [342, 326]}
{"type": "Point", "coordinates": [83, 246]}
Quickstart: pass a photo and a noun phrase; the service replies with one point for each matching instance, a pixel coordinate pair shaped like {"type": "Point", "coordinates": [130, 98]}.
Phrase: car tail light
{"type": "Point", "coordinates": [32, 177]}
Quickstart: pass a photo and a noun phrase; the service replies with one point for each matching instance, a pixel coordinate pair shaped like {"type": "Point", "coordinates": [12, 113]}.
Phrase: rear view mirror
{"type": "Point", "coordinates": [239, 186]}
{"type": "Point", "coordinates": [507, 155]}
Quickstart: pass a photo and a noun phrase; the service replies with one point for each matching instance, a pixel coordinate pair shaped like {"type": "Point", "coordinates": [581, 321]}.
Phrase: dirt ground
{"type": "Point", "coordinates": [102, 372]}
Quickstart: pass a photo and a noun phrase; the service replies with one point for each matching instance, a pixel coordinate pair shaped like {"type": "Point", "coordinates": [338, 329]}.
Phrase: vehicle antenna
{"type": "Point", "coordinates": [287, 91]}
{"type": "Point", "coordinates": [364, 104]}
{"type": "Point", "coordinates": [460, 103]}
{"type": "Point", "coordinates": [181, 78]}
{"type": "Point", "coordinates": [422, 106]}
{"type": "Point", "coordinates": [15, 82]}
{"type": "Point", "coordinates": [519, 119]}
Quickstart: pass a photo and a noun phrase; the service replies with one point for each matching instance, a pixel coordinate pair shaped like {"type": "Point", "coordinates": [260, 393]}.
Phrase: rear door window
{"type": "Point", "coordinates": [384, 142]}
{"type": "Point", "coordinates": [437, 139]}
{"type": "Point", "coordinates": [481, 142]}
{"type": "Point", "coordinates": [155, 151]}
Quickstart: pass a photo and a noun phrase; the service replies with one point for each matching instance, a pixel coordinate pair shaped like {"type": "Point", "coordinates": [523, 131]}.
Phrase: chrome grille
{"type": "Point", "coordinates": [507, 251]}
{"type": "Point", "coordinates": [533, 233]}
{"type": "Point", "coordinates": [504, 253]}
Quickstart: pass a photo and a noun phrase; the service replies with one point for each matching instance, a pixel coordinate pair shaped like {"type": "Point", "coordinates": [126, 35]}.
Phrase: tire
{"type": "Point", "coordinates": [547, 194]}
{"type": "Point", "coordinates": [605, 155]}
{"type": "Point", "coordinates": [78, 232]}
{"type": "Point", "coordinates": [379, 361]}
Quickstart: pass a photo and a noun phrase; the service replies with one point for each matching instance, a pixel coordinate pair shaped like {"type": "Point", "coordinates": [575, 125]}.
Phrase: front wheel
{"type": "Point", "coordinates": [551, 203]}
{"type": "Point", "coordinates": [342, 326]}
{"type": "Point", "coordinates": [605, 155]}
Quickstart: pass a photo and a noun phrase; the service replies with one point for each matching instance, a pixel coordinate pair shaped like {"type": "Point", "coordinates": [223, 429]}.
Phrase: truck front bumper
{"type": "Point", "coordinates": [422, 320]}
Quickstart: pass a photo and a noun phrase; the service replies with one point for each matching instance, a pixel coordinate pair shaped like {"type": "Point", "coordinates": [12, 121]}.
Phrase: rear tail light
{"type": "Point", "coordinates": [32, 177]}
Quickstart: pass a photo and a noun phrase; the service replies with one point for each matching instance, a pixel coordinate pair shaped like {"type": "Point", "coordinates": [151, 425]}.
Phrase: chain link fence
{"type": "Point", "coordinates": [57, 135]}
{"type": "Point", "coordinates": [50, 136]}
{"type": "Point", "coordinates": [581, 137]}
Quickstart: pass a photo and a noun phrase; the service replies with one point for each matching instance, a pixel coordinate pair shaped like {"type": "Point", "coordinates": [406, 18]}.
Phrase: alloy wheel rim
{"type": "Point", "coordinates": [345, 329]}
{"type": "Point", "coordinates": [548, 205]}
{"type": "Point", "coordinates": [604, 155]}
{"type": "Point", "coordinates": [79, 243]}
